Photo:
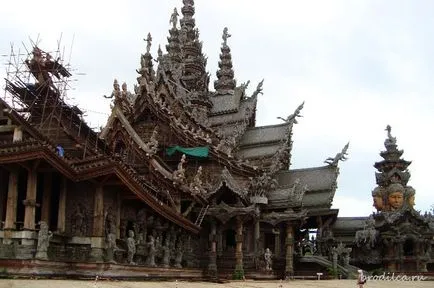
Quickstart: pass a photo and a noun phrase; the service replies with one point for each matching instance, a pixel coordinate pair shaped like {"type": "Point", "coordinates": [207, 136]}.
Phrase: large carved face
{"type": "Point", "coordinates": [396, 199]}
{"type": "Point", "coordinates": [411, 201]}
{"type": "Point", "coordinates": [378, 202]}
{"type": "Point", "coordinates": [377, 196]}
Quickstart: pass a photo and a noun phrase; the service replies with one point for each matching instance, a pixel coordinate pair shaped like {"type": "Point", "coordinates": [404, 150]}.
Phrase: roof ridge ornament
{"type": "Point", "coordinates": [341, 156]}
{"type": "Point", "coordinates": [292, 118]}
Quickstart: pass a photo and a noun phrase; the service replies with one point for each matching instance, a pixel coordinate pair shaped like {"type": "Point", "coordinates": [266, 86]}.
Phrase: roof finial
{"type": "Point", "coordinates": [225, 82]}
{"type": "Point", "coordinates": [174, 18]}
{"type": "Point", "coordinates": [148, 43]}
{"type": "Point", "coordinates": [390, 141]}
{"type": "Point", "coordinates": [225, 36]}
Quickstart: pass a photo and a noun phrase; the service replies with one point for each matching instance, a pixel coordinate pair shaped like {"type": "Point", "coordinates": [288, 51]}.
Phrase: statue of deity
{"type": "Point", "coordinates": [268, 259]}
{"type": "Point", "coordinates": [131, 244]}
{"type": "Point", "coordinates": [44, 237]}
{"type": "Point", "coordinates": [150, 260]}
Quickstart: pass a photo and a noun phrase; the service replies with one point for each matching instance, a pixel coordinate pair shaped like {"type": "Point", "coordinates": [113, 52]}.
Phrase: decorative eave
{"type": "Point", "coordinates": [275, 218]}
{"type": "Point", "coordinates": [227, 179]}
{"type": "Point", "coordinates": [225, 212]}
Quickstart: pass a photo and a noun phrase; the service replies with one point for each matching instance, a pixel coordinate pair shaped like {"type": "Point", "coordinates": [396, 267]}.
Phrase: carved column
{"type": "Point", "coordinates": [391, 265]}
{"type": "Point", "coordinates": [97, 243]}
{"type": "Point", "coordinates": [18, 134]}
{"type": "Point", "coordinates": [98, 212]}
{"type": "Point", "coordinates": [289, 243]}
{"type": "Point", "coordinates": [46, 198]}
{"type": "Point", "coordinates": [30, 202]}
{"type": "Point", "coordinates": [118, 217]}
{"type": "Point", "coordinates": [257, 236]}
{"type": "Point", "coordinates": [219, 242]}
{"type": "Point", "coordinates": [11, 206]}
{"type": "Point", "coordinates": [61, 216]}
{"type": "Point", "coordinates": [276, 233]}
{"type": "Point", "coordinates": [3, 194]}
{"type": "Point", "coordinates": [239, 270]}
{"type": "Point", "coordinates": [212, 266]}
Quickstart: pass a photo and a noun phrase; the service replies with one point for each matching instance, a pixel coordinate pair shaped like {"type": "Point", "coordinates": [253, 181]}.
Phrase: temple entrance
{"type": "Point", "coordinates": [269, 241]}
{"type": "Point", "coordinates": [230, 240]}
{"type": "Point", "coordinates": [409, 247]}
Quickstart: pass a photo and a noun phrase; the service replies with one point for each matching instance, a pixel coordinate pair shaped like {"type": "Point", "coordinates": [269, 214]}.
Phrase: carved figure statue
{"type": "Point", "coordinates": [268, 259]}
{"type": "Point", "coordinates": [179, 174]}
{"type": "Point", "coordinates": [395, 196]}
{"type": "Point", "coordinates": [225, 36]}
{"type": "Point", "coordinates": [150, 260]}
{"type": "Point", "coordinates": [292, 119]}
{"type": "Point", "coordinates": [390, 139]}
{"type": "Point", "coordinates": [166, 252]}
{"type": "Point", "coordinates": [174, 18]}
{"type": "Point", "coordinates": [367, 236]}
{"type": "Point", "coordinates": [378, 198]}
{"type": "Point", "coordinates": [152, 145]}
{"type": "Point", "coordinates": [110, 222]}
{"type": "Point", "coordinates": [196, 186]}
{"type": "Point", "coordinates": [111, 247]}
{"type": "Point", "coordinates": [341, 156]}
{"type": "Point", "coordinates": [179, 254]}
{"type": "Point", "coordinates": [131, 244]}
{"type": "Point", "coordinates": [78, 221]}
{"type": "Point", "coordinates": [44, 237]}
{"type": "Point", "coordinates": [335, 258]}
{"type": "Point", "coordinates": [127, 95]}
{"type": "Point", "coordinates": [148, 43]}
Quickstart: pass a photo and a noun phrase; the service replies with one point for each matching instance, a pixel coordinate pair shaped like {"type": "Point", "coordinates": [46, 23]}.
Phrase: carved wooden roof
{"type": "Point", "coordinates": [321, 186]}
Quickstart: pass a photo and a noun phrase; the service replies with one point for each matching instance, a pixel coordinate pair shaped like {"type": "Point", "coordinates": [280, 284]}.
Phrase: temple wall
{"type": "Point", "coordinates": [79, 208]}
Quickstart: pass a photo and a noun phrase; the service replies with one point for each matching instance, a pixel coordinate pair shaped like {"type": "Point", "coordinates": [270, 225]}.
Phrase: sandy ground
{"type": "Point", "coordinates": [247, 284]}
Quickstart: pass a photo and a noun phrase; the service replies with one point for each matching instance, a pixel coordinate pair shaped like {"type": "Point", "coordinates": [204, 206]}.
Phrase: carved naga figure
{"type": "Point", "coordinates": [292, 119]}
{"type": "Point", "coordinates": [341, 156]}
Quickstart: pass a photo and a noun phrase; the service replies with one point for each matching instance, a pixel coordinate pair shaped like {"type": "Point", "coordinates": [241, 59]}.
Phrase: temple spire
{"type": "Point", "coordinates": [147, 73]}
{"type": "Point", "coordinates": [392, 192]}
{"type": "Point", "coordinates": [194, 75]}
{"type": "Point", "coordinates": [393, 169]}
{"type": "Point", "coordinates": [225, 83]}
{"type": "Point", "coordinates": [174, 46]}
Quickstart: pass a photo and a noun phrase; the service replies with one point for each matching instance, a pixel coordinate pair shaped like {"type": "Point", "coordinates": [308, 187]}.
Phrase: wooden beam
{"type": "Point", "coordinates": [46, 198]}
{"type": "Point", "coordinates": [11, 206]}
{"type": "Point", "coordinates": [7, 128]}
{"type": "Point", "coordinates": [30, 202]}
{"type": "Point", "coordinates": [98, 212]}
{"type": "Point", "coordinates": [61, 216]}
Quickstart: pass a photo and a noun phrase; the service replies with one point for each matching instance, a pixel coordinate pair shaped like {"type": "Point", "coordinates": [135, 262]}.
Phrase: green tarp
{"type": "Point", "coordinates": [194, 151]}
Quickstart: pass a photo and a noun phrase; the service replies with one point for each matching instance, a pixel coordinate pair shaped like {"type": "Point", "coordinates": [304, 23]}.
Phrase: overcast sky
{"type": "Point", "coordinates": [358, 65]}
